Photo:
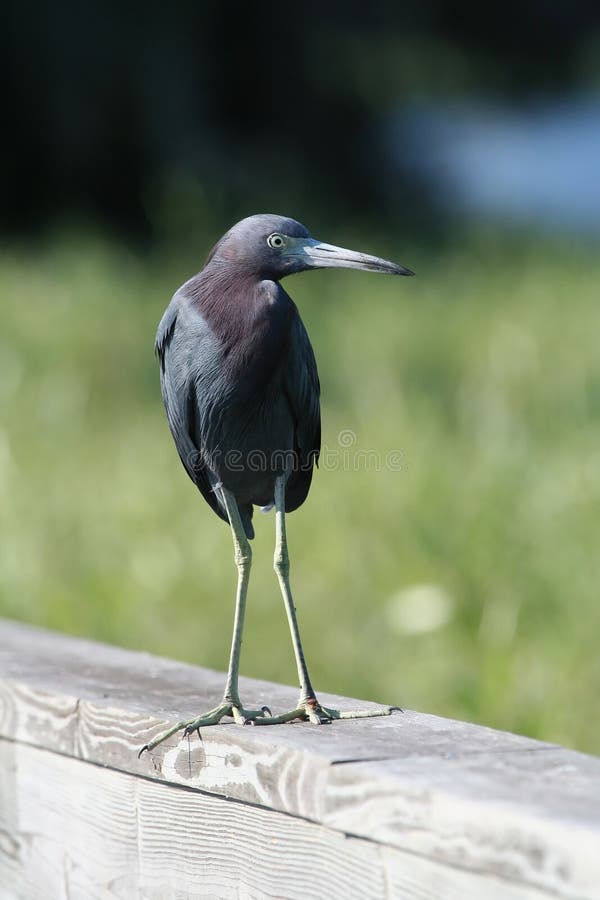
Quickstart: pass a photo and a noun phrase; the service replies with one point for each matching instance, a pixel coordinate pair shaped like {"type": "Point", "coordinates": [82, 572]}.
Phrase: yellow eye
{"type": "Point", "coordinates": [276, 241]}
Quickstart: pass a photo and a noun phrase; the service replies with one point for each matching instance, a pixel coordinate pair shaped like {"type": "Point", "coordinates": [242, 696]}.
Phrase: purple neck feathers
{"type": "Point", "coordinates": [251, 318]}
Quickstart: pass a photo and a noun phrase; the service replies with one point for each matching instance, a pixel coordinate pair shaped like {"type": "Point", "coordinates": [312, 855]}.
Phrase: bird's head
{"type": "Point", "coordinates": [272, 247]}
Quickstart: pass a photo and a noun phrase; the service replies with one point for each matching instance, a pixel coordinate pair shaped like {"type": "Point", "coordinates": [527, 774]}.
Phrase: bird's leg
{"type": "Point", "coordinates": [308, 705]}
{"type": "Point", "coordinates": [230, 705]}
{"type": "Point", "coordinates": [243, 561]}
{"type": "Point", "coordinates": [281, 563]}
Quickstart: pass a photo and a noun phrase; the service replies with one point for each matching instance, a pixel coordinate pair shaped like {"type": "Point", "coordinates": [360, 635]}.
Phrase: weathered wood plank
{"type": "Point", "coordinates": [533, 816]}
{"type": "Point", "coordinates": [85, 831]}
{"type": "Point", "coordinates": [73, 830]}
{"type": "Point", "coordinates": [411, 877]}
{"type": "Point", "coordinates": [456, 793]}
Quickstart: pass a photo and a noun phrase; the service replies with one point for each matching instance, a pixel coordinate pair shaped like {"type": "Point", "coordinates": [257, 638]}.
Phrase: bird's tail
{"type": "Point", "coordinates": [246, 515]}
{"type": "Point", "coordinates": [214, 497]}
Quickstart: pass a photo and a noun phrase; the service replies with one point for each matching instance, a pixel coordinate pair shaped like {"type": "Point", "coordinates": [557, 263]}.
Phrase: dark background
{"type": "Point", "coordinates": [112, 110]}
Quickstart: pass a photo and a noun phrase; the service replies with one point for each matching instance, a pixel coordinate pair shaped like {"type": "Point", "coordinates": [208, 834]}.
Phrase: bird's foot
{"type": "Point", "coordinates": [235, 710]}
{"type": "Point", "coordinates": [310, 710]}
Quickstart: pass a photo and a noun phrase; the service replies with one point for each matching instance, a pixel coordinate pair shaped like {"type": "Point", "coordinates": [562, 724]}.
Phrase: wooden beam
{"type": "Point", "coordinates": [69, 829]}
{"type": "Point", "coordinates": [406, 803]}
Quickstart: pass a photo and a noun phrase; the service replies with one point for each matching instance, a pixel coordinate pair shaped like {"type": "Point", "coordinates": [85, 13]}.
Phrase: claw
{"type": "Point", "coordinates": [212, 717]}
{"type": "Point", "coordinates": [250, 720]}
{"type": "Point", "coordinates": [318, 715]}
{"type": "Point", "coordinates": [310, 710]}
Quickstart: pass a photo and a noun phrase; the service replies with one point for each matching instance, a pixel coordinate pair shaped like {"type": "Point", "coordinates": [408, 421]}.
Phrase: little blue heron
{"type": "Point", "coordinates": [241, 391]}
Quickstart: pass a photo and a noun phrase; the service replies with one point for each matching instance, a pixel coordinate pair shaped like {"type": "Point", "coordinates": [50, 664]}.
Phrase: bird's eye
{"type": "Point", "coordinates": [276, 241]}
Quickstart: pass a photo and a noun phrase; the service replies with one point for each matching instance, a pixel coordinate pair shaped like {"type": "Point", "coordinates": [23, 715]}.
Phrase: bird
{"type": "Point", "coordinates": [241, 392]}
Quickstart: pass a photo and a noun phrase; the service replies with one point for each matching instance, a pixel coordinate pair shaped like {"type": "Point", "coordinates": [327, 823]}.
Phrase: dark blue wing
{"type": "Point", "coordinates": [178, 386]}
{"type": "Point", "coordinates": [302, 389]}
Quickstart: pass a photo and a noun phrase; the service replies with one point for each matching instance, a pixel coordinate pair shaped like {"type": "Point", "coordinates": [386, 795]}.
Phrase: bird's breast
{"type": "Point", "coordinates": [246, 333]}
{"type": "Point", "coordinates": [254, 339]}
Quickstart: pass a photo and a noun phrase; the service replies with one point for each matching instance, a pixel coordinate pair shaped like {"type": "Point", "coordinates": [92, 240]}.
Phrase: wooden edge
{"type": "Point", "coordinates": [70, 829]}
{"type": "Point", "coordinates": [450, 791]}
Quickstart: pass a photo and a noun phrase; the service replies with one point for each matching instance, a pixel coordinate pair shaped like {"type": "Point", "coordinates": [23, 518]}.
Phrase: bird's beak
{"type": "Point", "coordinates": [317, 255]}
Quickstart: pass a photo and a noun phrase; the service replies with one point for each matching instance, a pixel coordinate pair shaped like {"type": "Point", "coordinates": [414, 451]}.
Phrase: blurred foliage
{"type": "Point", "coordinates": [465, 583]}
{"type": "Point", "coordinates": [105, 102]}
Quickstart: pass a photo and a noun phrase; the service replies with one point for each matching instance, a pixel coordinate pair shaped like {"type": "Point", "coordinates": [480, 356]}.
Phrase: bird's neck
{"type": "Point", "coordinates": [225, 294]}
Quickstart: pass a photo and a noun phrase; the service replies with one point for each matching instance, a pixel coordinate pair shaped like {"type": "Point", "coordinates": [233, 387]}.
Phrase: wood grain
{"type": "Point", "coordinates": [82, 831]}
{"type": "Point", "coordinates": [441, 792]}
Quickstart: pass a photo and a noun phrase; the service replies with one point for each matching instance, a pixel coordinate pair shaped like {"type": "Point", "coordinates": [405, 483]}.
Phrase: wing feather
{"type": "Point", "coordinates": [178, 387]}
{"type": "Point", "coordinates": [302, 389]}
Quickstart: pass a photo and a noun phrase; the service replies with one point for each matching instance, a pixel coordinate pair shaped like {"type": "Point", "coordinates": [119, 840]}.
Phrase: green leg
{"type": "Point", "coordinates": [281, 564]}
{"type": "Point", "coordinates": [230, 705]}
{"type": "Point", "coordinates": [243, 561]}
{"type": "Point", "coordinates": [308, 705]}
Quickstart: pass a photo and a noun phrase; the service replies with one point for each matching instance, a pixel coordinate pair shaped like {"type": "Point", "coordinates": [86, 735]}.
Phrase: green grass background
{"type": "Point", "coordinates": [483, 374]}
